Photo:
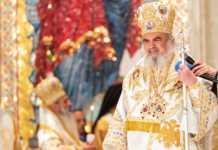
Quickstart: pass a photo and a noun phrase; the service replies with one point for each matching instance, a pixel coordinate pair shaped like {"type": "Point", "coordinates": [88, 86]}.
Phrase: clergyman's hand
{"type": "Point", "coordinates": [89, 146]}
{"type": "Point", "coordinates": [187, 76]}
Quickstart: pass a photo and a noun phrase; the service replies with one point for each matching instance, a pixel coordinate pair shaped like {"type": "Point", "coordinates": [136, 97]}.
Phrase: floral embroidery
{"type": "Point", "coordinates": [169, 134]}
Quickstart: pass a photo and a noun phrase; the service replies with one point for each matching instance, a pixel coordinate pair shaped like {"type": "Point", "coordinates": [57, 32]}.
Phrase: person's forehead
{"type": "Point", "coordinates": [152, 35]}
{"type": "Point", "coordinates": [78, 113]}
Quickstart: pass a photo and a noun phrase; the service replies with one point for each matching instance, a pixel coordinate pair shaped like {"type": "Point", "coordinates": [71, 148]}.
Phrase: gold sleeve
{"type": "Point", "coordinates": [101, 131]}
{"type": "Point", "coordinates": [205, 103]}
{"type": "Point", "coordinates": [116, 135]}
{"type": "Point", "coordinates": [49, 139]}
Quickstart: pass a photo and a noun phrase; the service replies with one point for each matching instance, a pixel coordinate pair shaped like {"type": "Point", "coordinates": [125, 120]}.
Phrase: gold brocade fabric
{"type": "Point", "coordinates": [152, 101]}
{"type": "Point", "coordinates": [25, 87]}
{"type": "Point", "coordinates": [56, 132]}
{"type": "Point", "coordinates": [167, 132]}
{"type": "Point", "coordinates": [101, 130]}
{"type": "Point", "coordinates": [155, 17]}
{"type": "Point", "coordinates": [215, 136]}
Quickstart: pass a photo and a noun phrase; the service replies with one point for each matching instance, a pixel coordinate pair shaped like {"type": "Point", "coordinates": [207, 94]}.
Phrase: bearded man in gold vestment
{"type": "Point", "coordinates": [58, 130]}
{"type": "Point", "coordinates": [149, 114]}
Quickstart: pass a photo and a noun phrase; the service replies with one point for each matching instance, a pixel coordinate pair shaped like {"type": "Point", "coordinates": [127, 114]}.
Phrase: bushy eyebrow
{"type": "Point", "coordinates": [145, 40]}
{"type": "Point", "coordinates": [156, 38]}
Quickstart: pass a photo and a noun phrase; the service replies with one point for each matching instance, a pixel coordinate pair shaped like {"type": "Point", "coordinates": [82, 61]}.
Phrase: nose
{"type": "Point", "coordinates": [151, 45]}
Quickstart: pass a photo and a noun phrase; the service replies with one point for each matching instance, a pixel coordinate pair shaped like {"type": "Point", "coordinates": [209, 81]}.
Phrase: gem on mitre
{"type": "Point", "coordinates": [149, 25]}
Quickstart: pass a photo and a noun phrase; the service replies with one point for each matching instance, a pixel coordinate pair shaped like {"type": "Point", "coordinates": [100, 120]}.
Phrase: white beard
{"type": "Point", "coordinates": [159, 61]}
